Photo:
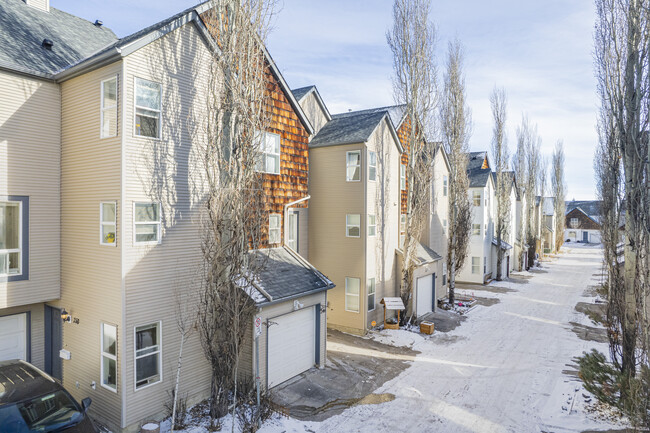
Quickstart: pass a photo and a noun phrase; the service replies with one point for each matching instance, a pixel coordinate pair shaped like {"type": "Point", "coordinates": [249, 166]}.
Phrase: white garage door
{"type": "Point", "coordinates": [291, 345]}
{"type": "Point", "coordinates": [13, 337]}
{"type": "Point", "coordinates": [425, 295]}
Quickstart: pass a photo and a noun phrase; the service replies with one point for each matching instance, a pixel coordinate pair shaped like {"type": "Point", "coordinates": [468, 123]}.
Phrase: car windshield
{"type": "Point", "coordinates": [46, 413]}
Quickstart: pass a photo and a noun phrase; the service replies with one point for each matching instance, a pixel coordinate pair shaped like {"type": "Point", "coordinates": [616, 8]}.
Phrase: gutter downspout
{"type": "Point", "coordinates": [284, 216]}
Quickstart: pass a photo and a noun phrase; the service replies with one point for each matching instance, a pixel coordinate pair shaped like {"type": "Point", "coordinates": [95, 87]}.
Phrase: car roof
{"type": "Point", "coordinates": [20, 380]}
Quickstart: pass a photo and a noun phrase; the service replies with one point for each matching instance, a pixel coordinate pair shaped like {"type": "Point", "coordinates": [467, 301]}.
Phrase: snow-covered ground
{"type": "Point", "coordinates": [507, 368]}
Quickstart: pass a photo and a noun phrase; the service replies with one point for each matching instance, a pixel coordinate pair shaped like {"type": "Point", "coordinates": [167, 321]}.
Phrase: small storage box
{"type": "Point", "coordinates": [426, 328]}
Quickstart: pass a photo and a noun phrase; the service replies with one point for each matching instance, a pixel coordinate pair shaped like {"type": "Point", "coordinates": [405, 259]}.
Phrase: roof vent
{"type": "Point", "coordinates": [99, 23]}
{"type": "Point", "coordinates": [47, 44]}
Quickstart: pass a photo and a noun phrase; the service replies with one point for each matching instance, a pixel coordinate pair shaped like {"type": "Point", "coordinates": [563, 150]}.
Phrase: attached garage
{"type": "Point", "coordinates": [13, 337]}
{"type": "Point", "coordinates": [292, 342]}
{"type": "Point", "coordinates": [424, 279]}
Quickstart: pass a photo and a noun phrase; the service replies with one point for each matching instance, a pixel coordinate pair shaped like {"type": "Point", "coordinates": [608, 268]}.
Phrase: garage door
{"type": "Point", "coordinates": [13, 337]}
{"type": "Point", "coordinates": [291, 345]}
{"type": "Point", "coordinates": [425, 295]}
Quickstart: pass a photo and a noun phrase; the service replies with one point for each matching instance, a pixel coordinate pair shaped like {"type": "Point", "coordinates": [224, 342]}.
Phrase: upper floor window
{"type": "Point", "coordinates": [445, 185]}
{"type": "Point", "coordinates": [372, 165]}
{"type": "Point", "coordinates": [402, 176]}
{"type": "Point", "coordinates": [353, 225]}
{"type": "Point", "coordinates": [11, 238]}
{"type": "Point", "coordinates": [275, 231]}
{"type": "Point", "coordinates": [476, 198]}
{"type": "Point", "coordinates": [148, 96]}
{"type": "Point", "coordinates": [353, 166]}
{"type": "Point", "coordinates": [270, 162]}
{"type": "Point", "coordinates": [109, 108]}
{"type": "Point", "coordinates": [146, 218]}
{"type": "Point", "coordinates": [574, 222]}
{"type": "Point", "coordinates": [372, 225]}
{"type": "Point", "coordinates": [148, 356]}
{"type": "Point", "coordinates": [108, 223]}
{"type": "Point", "coordinates": [109, 356]}
{"type": "Point", "coordinates": [476, 229]}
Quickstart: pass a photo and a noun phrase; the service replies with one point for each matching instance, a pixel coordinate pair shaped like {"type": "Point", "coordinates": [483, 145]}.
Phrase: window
{"type": "Point", "coordinates": [275, 232]}
{"type": "Point", "coordinates": [574, 222]}
{"type": "Point", "coordinates": [371, 294]}
{"type": "Point", "coordinates": [352, 294]}
{"type": "Point", "coordinates": [445, 185]}
{"type": "Point", "coordinates": [353, 225]}
{"type": "Point", "coordinates": [485, 265]}
{"type": "Point", "coordinates": [476, 265]}
{"type": "Point", "coordinates": [14, 225]}
{"type": "Point", "coordinates": [147, 223]}
{"type": "Point", "coordinates": [476, 198]}
{"type": "Point", "coordinates": [109, 356]}
{"type": "Point", "coordinates": [402, 176]}
{"type": "Point", "coordinates": [372, 225]}
{"type": "Point", "coordinates": [476, 229]}
{"type": "Point", "coordinates": [270, 161]}
{"type": "Point", "coordinates": [107, 222]}
{"type": "Point", "coordinates": [402, 229]}
{"type": "Point", "coordinates": [148, 360]}
{"type": "Point", "coordinates": [444, 227]}
{"type": "Point", "coordinates": [353, 166]}
{"type": "Point", "coordinates": [444, 273]}
{"type": "Point", "coordinates": [372, 165]}
{"type": "Point", "coordinates": [147, 108]}
{"type": "Point", "coordinates": [109, 108]}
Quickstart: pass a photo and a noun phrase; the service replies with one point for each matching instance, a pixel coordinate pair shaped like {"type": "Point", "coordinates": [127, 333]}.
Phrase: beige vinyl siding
{"type": "Point", "coordinates": [37, 330]}
{"type": "Point", "coordinates": [436, 236]}
{"type": "Point", "coordinates": [314, 112]}
{"type": "Point", "coordinates": [330, 251]}
{"type": "Point", "coordinates": [166, 171]}
{"type": "Point", "coordinates": [382, 198]}
{"type": "Point", "coordinates": [30, 130]}
{"type": "Point", "coordinates": [91, 285]}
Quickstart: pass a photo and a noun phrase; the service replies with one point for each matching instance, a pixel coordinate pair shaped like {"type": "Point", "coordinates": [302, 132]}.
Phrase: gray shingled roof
{"type": "Point", "coordinates": [285, 275]}
{"type": "Point", "coordinates": [23, 28]}
{"type": "Point", "coordinates": [395, 112]}
{"type": "Point", "coordinates": [301, 92]}
{"type": "Point", "coordinates": [348, 128]}
{"type": "Point", "coordinates": [504, 245]}
{"type": "Point", "coordinates": [425, 254]}
{"type": "Point", "coordinates": [478, 177]}
{"type": "Point", "coordinates": [590, 207]}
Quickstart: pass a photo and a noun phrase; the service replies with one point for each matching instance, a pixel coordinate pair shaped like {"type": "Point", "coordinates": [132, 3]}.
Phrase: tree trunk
{"type": "Point", "coordinates": [178, 376]}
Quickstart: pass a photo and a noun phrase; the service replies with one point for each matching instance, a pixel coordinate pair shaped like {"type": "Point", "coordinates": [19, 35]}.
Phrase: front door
{"type": "Point", "coordinates": [53, 342]}
{"type": "Point", "coordinates": [585, 237]}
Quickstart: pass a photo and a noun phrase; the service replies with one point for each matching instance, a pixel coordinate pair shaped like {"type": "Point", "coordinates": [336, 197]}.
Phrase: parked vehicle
{"type": "Point", "coordinates": [32, 401]}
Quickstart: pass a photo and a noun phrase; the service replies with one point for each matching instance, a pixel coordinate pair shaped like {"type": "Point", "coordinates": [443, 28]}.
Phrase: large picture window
{"type": "Point", "coordinates": [13, 238]}
{"type": "Point", "coordinates": [352, 294]}
{"type": "Point", "coordinates": [270, 162]}
{"type": "Point", "coordinates": [108, 223]}
{"type": "Point", "coordinates": [109, 356]}
{"type": "Point", "coordinates": [109, 108]}
{"type": "Point", "coordinates": [147, 223]}
{"type": "Point", "coordinates": [148, 97]}
{"type": "Point", "coordinates": [147, 355]}
{"type": "Point", "coordinates": [353, 166]}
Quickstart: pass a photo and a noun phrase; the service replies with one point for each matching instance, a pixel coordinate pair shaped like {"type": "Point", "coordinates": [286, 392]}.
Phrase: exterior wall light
{"type": "Point", "coordinates": [65, 316]}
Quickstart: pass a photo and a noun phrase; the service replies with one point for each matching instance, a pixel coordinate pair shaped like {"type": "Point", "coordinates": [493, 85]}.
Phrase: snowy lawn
{"type": "Point", "coordinates": [507, 368]}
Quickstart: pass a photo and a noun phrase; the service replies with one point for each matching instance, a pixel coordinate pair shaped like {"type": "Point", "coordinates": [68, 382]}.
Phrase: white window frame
{"type": "Point", "coordinates": [104, 355]}
{"type": "Point", "coordinates": [573, 223]}
{"type": "Point", "coordinates": [136, 357]}
{"type": "Point", "coordinates": [476, 232]}
{"type": "Point", "coordinates": [372, 284]}
{"type": "Point", "coordinates": [19, 250]}
{"type": "Point", "coordinates": [348, 225]}
{"type": "Point", "coordinates": [445, 186]}
{"type": "Point", "coordinates": [102, 109]}
{"type": "Point", "coordinates": [372, 226]}
{"type": "Point", "coordinates": [476, 196]}
{"type": "Point", "coordinates": [352, 294]}
{"type": "Point", "coordinates": [265, 154]}
{"type": "Point", "coordinates": [476, 267]}
{"type": "Point", "coordinates": [372, 168]}
{"type": "Point", "coordinates": [348, 165]}
{"type": "Point", "coordinates": [444, 226]}
{"type": "Point", "coordinates": [484, 265]}
{"type": "Point", "coordinates": [402, 177]}
{"type": "Point", "coordinates": [103, 223]}
{"type": "Point", "coordinates": [135, 109]}
{"type": "Point", "coordinates": [158, 224]}
{"type": "Point", "coordinates": [277, 229]}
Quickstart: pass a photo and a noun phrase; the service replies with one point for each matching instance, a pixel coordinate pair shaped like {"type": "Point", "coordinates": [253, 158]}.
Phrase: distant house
{"type": "Point", "coordinates": [583, 222]}
{"type": "Point", "coordinates": [548, 225]}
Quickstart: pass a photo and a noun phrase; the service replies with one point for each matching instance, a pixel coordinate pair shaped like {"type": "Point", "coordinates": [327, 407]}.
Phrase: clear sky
{"type": "Point", "coordinates": [540, 51]}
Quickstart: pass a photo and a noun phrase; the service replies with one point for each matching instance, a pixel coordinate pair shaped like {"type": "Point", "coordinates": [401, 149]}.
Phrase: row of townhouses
{"type": "Point", "coordinates": [100, 196]}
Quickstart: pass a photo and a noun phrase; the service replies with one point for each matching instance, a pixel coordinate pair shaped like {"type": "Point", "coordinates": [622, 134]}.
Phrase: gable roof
{"type": "Point", "coordinates": [580, 210]}
{"type": "Point", "coordinates": [353, 127]}
{"type": "Point", "coordinates": [284, 276]}
{"type": "Point", "coordinates": [397, 113]}
{"type": "Point", "coordinates": [302, 92]}
{"type": "Point", "coordinates": [23, 29]}
{"type": "Point", "coordinates": [478, 175]}
{"type": "Point", "coordinates": [589, 207]}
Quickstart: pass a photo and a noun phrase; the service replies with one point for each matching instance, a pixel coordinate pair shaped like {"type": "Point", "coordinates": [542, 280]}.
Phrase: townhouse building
{"type": "Point", "coordinates": [583, 221]}
{"type": "Point", "coordinates": [548, 229]}
{"type": "Point", "coordinates": [100, 199]}
{"type": "Point", "coordinates": [508, 241]}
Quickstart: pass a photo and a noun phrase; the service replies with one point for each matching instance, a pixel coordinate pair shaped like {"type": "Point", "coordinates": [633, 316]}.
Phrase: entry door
{"type": "Point", "coordinates": [13, 337]}
{"type": "Point", "coordinates": [425, 294]}
{"type": "Point", "coordinates": [585, 237]}
{"type": "Point", "coordinates": [53, 342]}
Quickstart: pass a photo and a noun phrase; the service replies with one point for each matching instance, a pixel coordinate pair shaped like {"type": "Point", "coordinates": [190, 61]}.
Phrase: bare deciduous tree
{"type": "Point", "coordinates": [521, 174]}
{"type": "Point", "coordinates": [456, 121]}
{"type": "Point", "coordinates": [412, 42]}
{"type": "Point", "coordinates": [501, 155]}
{"type": "Point", "coordinates": [235, 208]}
{"type": "Point", "coordinates": [528, 137]}
{"type": "Point", "coordinates": [558, 186]}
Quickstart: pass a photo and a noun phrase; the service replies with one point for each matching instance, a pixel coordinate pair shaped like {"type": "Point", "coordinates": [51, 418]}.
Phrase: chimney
{"type": "Point", "coordinates": [43, 5]}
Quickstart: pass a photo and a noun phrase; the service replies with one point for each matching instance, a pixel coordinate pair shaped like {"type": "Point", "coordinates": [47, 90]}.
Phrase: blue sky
{"type": "Point", "coordinates": [541, 52]}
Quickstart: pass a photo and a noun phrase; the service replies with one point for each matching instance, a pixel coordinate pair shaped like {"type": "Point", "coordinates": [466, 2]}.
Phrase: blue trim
{"type": "Point", "coordinates": [28, 349]}
{"type": "Point", "coordinates": [317, 352]}
{"type": "Point", "coordinates": [48, 338]}
{"type": "Point", "coordinates": [24, 200]}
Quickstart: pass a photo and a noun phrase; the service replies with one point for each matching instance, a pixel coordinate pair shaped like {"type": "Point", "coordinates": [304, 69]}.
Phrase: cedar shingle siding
{"type": "Point", "coordinates": [585, 223]}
